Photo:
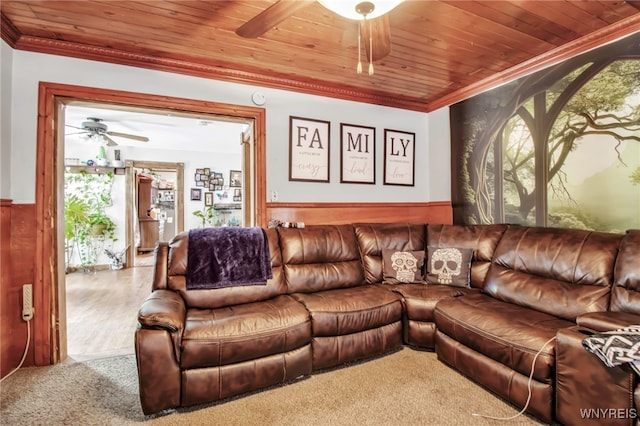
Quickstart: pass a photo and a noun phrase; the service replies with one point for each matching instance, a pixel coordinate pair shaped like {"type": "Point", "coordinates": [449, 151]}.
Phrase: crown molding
{"type": "Point", "coordinates": [226, 72]}
{"type": "Point", "coordinates": [8, 32]}
{"type": "Point", "coordinates": [552, 57]}
{"type": "Point", "coordinates": [222, 72]}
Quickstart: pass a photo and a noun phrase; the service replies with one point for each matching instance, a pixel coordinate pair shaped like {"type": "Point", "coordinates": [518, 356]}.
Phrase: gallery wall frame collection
{"type": "Point", "coordinates": [213, 185]}
{"type": "Point", "coordinates": [310, 144]}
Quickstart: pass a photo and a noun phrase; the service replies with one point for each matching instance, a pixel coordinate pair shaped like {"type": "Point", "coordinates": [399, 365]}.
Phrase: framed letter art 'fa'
{"type": "Point", "coordinates": [308, 150]}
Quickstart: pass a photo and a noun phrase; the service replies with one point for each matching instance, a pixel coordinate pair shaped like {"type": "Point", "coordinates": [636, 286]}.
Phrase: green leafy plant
{"type": "Point", "coordinates": [86, 198]}
{"type": "Point", "coordinates": [207, 215]}
{"type": "Point", "coordinates": [76, 215]}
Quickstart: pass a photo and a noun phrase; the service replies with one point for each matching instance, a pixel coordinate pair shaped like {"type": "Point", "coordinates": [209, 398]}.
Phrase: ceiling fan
{"type": "Point", "coordinates": [95, 127]}
{"type": "Point", "coordinates": [376, 34]}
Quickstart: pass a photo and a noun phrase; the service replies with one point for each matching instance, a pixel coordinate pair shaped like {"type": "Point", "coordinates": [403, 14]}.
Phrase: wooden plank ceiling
{"type": "Point", "coordinates": [441, 51]}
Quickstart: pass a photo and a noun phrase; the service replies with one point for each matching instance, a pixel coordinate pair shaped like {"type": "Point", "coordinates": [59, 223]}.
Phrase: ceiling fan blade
{"type": "Point", "coordinates": [75, 127]}
{"type": "Point", "coordinates": [110, 142]}
{"type": "Point", "coordinates": [125, 135]}
{"type": "Point", "coordinates": [270, 17]}
{"type": "Point", "coordinates": [381, 32]}
{"type": "Point", "coordinates": [76, 133]}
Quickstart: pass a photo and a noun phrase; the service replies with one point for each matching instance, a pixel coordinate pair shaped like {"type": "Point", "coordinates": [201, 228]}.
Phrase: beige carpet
{"type": "Point", "coordinates": [407, 387]}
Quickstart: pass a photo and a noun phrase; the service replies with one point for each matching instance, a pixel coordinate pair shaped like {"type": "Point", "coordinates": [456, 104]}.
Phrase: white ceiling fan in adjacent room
{"type": "Point", "coordinates": [95, 128]}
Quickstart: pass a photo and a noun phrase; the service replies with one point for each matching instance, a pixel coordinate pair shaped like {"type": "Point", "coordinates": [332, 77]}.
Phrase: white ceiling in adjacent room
{"type": "Point", "coordinates": [165, 130]}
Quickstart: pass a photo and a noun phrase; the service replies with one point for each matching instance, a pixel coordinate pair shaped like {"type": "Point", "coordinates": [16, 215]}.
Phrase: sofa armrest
{"type": "Point", "coordinates": [161, 320]}
{"type": "Point", "coordinates": [607, 321]}
{"type": "Point", "coordinates": [163, 309]}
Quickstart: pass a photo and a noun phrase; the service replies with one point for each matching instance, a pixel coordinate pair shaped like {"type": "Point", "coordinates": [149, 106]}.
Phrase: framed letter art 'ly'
{"type": "Point", "coordinates": [308, 150]}
{"type": "Point", "coordinates": [357, 154]}
{"type": "Point", "coordinates": [399, 157]}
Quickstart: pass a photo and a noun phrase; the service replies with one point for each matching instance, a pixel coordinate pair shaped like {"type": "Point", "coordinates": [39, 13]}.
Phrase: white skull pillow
{"type": "Point", "coordinates": [449, 266]}
{"type": "Point", "coordinates": [402, 266]}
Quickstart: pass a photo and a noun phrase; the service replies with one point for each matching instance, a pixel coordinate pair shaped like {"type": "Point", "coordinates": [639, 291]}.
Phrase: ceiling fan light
{"type": "Point", "coordinates": [348, 8]}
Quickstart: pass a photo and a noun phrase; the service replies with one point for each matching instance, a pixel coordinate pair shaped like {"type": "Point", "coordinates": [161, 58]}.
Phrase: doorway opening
{"type": "Point", "coordinates": [146, 199]}
{"type": "Point", "coordinates": [51, 329]}
{"type": "Point", "coordinates": [155, 207]}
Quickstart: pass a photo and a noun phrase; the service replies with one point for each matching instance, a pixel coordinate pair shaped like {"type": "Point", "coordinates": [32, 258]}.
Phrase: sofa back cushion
{"type": "Point", "coordinates": [563, 272]}
{"type": "Point", "coordinates": [176, 271]}
{"type": "Point", "coordinates": [625, 295]}
{"type": "Point", "coordinates": [320, 257]}
{"type": "Point", "coordinates": [482, 239]}
{"type": "Point", "coordinates": [374, 237]}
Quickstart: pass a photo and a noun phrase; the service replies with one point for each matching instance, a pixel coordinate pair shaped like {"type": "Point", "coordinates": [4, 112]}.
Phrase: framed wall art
{"type": "Point", "coordinates": [308, 149]}
{"type": "Point", "coordinates": [202, 177]}
{"type": "Point", "coordinates": [208, 198]}
{"type": "Point", "coordinates": [399, 157]}
{"type": "Point", "coordinates": [235, 178]}
{"type": "Point", "coordinates": [357, 154]}
{"type": "Point", "coordinates": [196, 194]}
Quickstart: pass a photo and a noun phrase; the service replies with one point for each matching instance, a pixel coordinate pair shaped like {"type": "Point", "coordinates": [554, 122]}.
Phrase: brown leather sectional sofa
{"type": "Point", "coordinates": [327, 305]}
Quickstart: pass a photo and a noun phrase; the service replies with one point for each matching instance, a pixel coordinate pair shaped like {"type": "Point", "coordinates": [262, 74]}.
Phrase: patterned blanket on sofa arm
{"type": "Point", "coordinates": [616, 347]}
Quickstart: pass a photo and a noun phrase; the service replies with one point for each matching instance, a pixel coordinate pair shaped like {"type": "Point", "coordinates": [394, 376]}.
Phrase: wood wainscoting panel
{"type": "Point", "coordinates": [18, 266]}
{"type": "Point", "coordinates": [341, 213]}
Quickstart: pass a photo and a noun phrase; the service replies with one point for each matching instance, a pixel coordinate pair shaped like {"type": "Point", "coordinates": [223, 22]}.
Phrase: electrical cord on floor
{"type": "Point", "coordinates": [526, 405]}
{"type": "Point", "coordinates": [24, 355]}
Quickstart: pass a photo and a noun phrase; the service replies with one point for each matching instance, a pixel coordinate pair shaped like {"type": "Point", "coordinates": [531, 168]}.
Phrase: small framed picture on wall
{"type": "Point", "coordinates": [399, 157]}
{"type": "Point", "coordinates": [196, 194]}
{"type": "Point", "coordinates": [208, 198]}
{"type": "Point", "coordinates": [235, 178]}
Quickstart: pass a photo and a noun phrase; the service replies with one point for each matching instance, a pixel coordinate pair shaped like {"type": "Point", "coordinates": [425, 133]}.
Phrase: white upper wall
{"type": "Point", "coordinates": [439, 155]}
{"type": "Point", "coordinates": [31, 68]}
{"type": "Point", "coordinates": [6, 64]}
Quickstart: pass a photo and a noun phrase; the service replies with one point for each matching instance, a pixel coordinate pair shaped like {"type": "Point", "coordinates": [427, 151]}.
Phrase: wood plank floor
{"type": "Point", "coordinates": [102, 309]}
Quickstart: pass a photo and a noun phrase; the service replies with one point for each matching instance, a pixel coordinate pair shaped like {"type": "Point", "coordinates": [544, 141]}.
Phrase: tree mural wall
{"type": "Point", "coordinates": [529, 152]}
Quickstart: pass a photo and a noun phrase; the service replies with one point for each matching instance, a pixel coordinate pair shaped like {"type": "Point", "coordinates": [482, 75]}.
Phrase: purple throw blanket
{"type": "Point", "coordinates": [227, 257]}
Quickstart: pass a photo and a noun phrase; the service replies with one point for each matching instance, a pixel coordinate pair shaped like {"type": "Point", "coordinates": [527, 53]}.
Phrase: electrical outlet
{"type": "Point", "coordinates": [274, 195]}
{"type": "Point", "coordinates": [27, 302]}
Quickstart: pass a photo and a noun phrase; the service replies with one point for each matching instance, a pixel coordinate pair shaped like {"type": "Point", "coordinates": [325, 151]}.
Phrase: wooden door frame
{"type": "Point", "coordinates": [46, 323]}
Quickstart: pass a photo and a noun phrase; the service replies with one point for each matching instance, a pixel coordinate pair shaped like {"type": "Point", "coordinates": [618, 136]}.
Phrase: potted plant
{"type": "Point", "coordinates": [76, 217]}
{"type": "Point", "coordinates": [86, 198]}
{"type": "Point", "coordinates": [206, 215]}
{"type": "Point", "coordinates": [101, 224]}
{"type": "Point", "coordinates": [101, 158]}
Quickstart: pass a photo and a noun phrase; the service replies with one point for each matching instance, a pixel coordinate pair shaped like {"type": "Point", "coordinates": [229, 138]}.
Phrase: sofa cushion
{"type": "Point", "coordinates": [351, 310]}
{"type": "Point", "coordinates": [482, 239]}
{"type": "Point", "coordinates": [507, 333]}
{"type": "Point", "coordinates": [320, 257]}
{"type": "Point", "coordinates": [605, 321]}
{"type": "Point", "coordinates": [625, 295]}
{"type": "Point", "coordinates": [420, 299]}
{"type": "Point", "coordinates": [214, 337]}
{"type": "Point", "coordinates": [402, 266]}
{"type": "Point", "coordinates": [563, 272]}
{"type": "Point", "coordinates": [176, 271]}
{"type": "Point", "coordinates": [373, 237]}
{"type": "Point", "coordinates": [449, 266]}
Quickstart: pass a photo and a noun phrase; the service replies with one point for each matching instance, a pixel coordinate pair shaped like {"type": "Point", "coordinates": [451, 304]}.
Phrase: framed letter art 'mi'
{"type": "Point", "coordinates": [357, 154]}
{"type": "Point", "coordinates": [308, 150]}
{"type": "Point", "coordinates": [399, 157]}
